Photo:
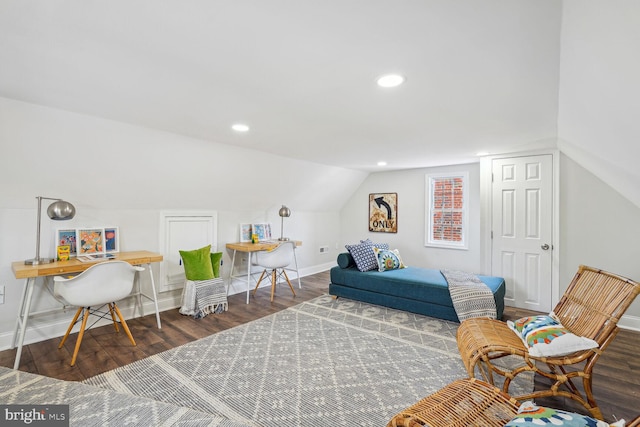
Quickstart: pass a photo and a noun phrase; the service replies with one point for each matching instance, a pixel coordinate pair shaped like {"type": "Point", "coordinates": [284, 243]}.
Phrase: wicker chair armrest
{"type": "Point", "coordinates": [463, 403]}
{"type": "Point", "coordinates": [634, 422]}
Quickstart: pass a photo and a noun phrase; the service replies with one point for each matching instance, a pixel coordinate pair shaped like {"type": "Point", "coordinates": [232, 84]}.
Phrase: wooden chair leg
{"type": "Point", "coordinates": [73, 322]}
{"type": "Point", "coordinates": [85, 317]}
{"type": "Point", "coordinates": [259, 280]}
{"type": "Point", "coordinates": [113, 317]}
{"type": "Point", "coordinates": [273, 283]}
{"type": "Point", "coordinates": [124, 324]}
{"type": "Point", "coordinates": [288, 281]}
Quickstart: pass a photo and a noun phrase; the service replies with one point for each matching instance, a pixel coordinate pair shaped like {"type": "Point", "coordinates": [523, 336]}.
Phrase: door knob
{"type": "Point", "coordinates": [545, 247]}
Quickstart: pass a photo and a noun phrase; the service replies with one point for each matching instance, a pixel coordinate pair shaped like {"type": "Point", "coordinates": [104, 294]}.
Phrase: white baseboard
{"type": "Point", "coordinates": [44, 328]}
{"type": "Point", "coordinates": [56, 324]}
{"type": "Point", "coordinates": [630, 322]}
{"type": "Point", "coordinates": [239, 283]}
{"type": "Point", "coordinates": [308, 271]}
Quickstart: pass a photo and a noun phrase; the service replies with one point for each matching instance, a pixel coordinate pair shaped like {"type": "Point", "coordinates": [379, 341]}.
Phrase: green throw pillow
{"type": "Point", "coordinates": [197, 264]}
{"type": "Point", "coordinates": [216, 257]}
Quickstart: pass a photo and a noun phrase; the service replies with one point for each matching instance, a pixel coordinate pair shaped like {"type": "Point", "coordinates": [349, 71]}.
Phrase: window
{"type": "Point", "coordinates": [447, 210]}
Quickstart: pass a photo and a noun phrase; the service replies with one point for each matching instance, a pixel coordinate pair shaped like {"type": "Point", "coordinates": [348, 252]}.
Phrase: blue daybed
{"type": "Point", "coordinates": [418, 290]}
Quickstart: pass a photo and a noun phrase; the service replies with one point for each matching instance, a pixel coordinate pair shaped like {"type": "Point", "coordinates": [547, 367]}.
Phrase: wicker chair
{"type": "Point", "coordinates": [464, 403]}
{"type": "Point", "coordinates": [591, 307]}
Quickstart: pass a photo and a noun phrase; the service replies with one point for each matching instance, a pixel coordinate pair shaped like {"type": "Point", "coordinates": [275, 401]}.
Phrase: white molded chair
{"type": "Point", "coordinates": [275, 261]}
{"type": "Point", "coordinates": [101, 284]}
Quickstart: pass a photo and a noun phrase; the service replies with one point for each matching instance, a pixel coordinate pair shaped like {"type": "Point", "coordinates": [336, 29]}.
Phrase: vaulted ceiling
{"type": "Point", "coordinates": [493, 76]}
{"type": "Point", "coordinates": [481, 76]}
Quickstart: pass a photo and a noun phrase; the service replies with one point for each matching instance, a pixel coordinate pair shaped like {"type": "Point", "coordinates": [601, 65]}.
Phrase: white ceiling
{"type": "Point", "coordinates": [481, 75]}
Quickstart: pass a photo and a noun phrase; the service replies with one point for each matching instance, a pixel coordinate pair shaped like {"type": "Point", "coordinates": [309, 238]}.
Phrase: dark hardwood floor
{"type": "Point", "coordinates": [616, 381]}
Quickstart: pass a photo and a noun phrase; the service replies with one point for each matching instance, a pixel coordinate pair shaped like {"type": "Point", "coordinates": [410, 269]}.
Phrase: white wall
{"type": "Point", "coordinates": [598, 134]}
{"type": "Point", "coordinates": [600, 90]}
{"type": "Point", "coordinates": [599, 228]}
{"type": "Point", "coordinates": [123, 175]}
{"type": "Point", "coordinates": [410, 238]}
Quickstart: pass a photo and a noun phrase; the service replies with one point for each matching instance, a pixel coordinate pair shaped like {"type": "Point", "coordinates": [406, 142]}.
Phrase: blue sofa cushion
{"type": "Point", "coordinates": [345, 260]}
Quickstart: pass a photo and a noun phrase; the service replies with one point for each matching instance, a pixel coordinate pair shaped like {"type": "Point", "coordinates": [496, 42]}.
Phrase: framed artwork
{"type": "Point", "coordinates": [245, 232]}
{"type": "Point", "coordinates": [263, 230]}
{"type": "Point", "coordinates": [90, 241]}
{"type": "Point", "coordinates": [111, 239]}
{"type": "Point", "coordinates": [383, 212]}
{"type": "Point", "coordinates": [67, 237]}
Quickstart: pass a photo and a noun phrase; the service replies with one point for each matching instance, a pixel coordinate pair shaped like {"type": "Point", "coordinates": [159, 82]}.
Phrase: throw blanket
{"type": "Point", "coordinates": [202, 297]}
{"type": "Point", "coordinates": [470, 296]}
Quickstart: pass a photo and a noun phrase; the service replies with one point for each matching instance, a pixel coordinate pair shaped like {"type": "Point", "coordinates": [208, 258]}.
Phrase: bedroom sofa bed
{"type": "Point", "coordinates": [418, 290]}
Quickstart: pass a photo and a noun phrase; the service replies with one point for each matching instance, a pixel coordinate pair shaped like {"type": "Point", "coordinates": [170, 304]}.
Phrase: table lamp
{"type": "Point", "coordinates": [284, 212]}
{"type": "Point", "coordinates": [59, 210]}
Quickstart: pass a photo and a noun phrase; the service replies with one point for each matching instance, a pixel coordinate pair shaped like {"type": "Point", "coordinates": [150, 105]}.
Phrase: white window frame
{"type": "Point", "coordinates": [430, 241]}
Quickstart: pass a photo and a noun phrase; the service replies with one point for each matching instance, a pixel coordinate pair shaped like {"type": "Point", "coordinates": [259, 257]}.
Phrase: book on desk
{"type": "Point", "coordinates": [96, 257]}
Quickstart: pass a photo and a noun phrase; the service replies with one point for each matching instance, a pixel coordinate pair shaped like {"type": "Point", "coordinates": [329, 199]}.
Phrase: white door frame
{"type": "Point", "coordinates": [165, 218]}
{"type": "Point", "coordinates": [486, 214]}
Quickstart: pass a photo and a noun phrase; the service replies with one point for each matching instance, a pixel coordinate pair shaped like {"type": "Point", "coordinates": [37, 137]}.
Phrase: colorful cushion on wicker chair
{"type": "Point", "coordinates": [546, 337]}
{"type": "Point", "coordinates": [530, 415]}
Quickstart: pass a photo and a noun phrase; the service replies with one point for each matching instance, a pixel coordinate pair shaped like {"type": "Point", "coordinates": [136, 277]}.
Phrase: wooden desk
{"type": "Point", "coordinates": [249, 248]}
{"type": "Point", "coordinates": [32, 272]}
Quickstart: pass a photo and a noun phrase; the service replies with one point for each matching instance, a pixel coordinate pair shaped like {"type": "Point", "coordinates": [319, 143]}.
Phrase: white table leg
{"type": "Point", "coordinates": [138, 295]}
{"type": "Point", "coordinates": [21, 322]}
{"type": "Point", "coordinates": [233, 263]}
{"type": "Point", "coordinates": [295, 260]}
{"type": "Point", "coordinates": [248, 275]}
{"type": "Point", "coordinates": [155, 296]}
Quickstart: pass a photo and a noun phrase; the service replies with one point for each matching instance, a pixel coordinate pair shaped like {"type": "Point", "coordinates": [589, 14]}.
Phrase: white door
{"type": "Point", "coordinates": [522, 225]}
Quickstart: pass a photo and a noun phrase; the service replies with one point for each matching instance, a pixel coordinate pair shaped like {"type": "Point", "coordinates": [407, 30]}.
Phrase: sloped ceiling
{"type": "Point", "coordinates": [599, 99]}
{"type": "Point", "coordinates": [492, 76]}
{"type": "Point", "coordinates": [481, 75]}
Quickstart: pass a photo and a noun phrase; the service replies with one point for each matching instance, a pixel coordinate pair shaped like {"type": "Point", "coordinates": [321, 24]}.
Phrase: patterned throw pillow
{"type": "Point", "coordinates": [388, 259]}
{"type": "Point", "coordinates": [530, 415]}
{"type": "Point", "coordinates": [363, 254]}
{"type": "Point", "coordinates": [545, 337]}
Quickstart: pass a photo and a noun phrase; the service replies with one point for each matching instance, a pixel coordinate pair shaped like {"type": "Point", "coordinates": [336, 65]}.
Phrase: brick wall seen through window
{"type": "Point", "coordinates": [447, 210]}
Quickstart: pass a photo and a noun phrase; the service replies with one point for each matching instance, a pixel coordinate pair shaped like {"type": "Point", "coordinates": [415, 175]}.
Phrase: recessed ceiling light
{"type": "Point", "coordinates": [482, 153]}
{"type": "Point", "coordinates": [240, 127]}
{"type": "Point", "coordinates": [391, 80]}
{"type": "Point", "coordinates": [382, 163]}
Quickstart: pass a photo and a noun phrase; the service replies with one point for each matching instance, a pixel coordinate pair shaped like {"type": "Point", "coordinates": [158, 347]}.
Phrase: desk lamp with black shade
{"type": "Point", "coordinates": [59, 210]}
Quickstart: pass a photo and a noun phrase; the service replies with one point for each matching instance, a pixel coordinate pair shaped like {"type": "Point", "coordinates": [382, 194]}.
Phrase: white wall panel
{"type": "Point", "coordinates": [532, 213]}
{"type": "Point", "coordinates": [508, 228]}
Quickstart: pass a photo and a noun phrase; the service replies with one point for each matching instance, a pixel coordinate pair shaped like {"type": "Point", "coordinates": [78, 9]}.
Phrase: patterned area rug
{"type": "Point", "coordinates": [322, 362]}
{"type": "Point", "coordinates": [93, 406]}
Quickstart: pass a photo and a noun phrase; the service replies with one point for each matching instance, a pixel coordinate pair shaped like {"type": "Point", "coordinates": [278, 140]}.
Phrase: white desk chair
{"type": "Point", "coordinates": [99, 285]}
{"type": "Point", "coordinates": [275, 262]}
